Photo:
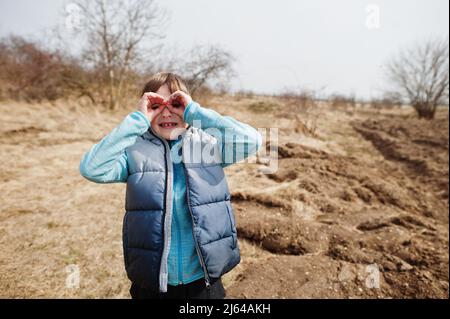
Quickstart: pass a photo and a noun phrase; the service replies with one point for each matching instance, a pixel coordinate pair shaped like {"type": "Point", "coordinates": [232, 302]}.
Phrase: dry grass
{"type": "Point", "coordinates": [51, 217]}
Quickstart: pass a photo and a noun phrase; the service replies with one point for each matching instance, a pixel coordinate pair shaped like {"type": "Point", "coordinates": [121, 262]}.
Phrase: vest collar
{"type": "Point", "coordinates": [154, 137]}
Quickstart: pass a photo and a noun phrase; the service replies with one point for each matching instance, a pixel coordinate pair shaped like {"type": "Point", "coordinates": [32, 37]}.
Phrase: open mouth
{"type": "Point", "coordinates": [167, 125]}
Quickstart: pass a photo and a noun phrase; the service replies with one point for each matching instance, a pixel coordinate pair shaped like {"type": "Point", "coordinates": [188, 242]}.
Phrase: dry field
{"type": "Point", "coordinates": [358, 210]}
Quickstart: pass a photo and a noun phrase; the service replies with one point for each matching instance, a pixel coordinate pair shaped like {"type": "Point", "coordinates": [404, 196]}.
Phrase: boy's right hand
{"type": "Point", "coordinates": [151, 104]}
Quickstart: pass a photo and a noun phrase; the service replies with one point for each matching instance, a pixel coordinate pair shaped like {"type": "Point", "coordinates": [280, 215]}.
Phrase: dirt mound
{"type": "Point", "coordinates": [418, 147]}
{"type": "Point", "coordinates": [303, 277]}
{"type": "Point", "coordinates": [274, 226]}
{"type": "Point", "coordinates": [335, 212]}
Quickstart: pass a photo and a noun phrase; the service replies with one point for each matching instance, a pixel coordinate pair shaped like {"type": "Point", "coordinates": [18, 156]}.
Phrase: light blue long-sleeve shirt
{"type": "Point", "coordinates": [106, 162]}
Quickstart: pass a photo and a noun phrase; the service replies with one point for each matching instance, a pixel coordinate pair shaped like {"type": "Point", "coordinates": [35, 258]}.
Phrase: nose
{"type": "Point", "coordinates": [166, 112]}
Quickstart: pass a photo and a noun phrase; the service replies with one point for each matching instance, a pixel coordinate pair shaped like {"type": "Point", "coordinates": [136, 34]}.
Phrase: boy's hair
{"type": "Point", "coordinates": [173, 81]}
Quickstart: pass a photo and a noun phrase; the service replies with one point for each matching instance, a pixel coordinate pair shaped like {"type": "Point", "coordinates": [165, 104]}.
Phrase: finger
{"type": "Point", "coordinates": [155, 113]}
{"type": "Point", "coordinates": [157, 100]}
{"type": "Point", "coordinates": [175, 95]}
{"type": "Point", "coordinates": [155, 107]}
{"type": "Point", "coordinates": [176, 99]}
{"type": "Point", "coordinates": [178, 111]}
{"type": "Point", "coordinates": [152, 94]}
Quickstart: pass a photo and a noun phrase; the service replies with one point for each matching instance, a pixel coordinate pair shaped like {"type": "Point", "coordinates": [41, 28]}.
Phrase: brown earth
{"type": "Point", "coordinates": [360, 210]}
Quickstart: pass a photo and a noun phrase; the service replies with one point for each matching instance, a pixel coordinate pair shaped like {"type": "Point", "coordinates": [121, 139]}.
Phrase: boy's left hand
{"type": "Point", "coordinates": [178, 102]}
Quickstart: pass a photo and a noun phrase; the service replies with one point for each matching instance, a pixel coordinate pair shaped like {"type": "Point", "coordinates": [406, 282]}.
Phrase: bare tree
{"type": "Point", "coordinates": [421, 76]}
{"type": "Point", "coordinates": [119, 36]}
{"type": "Point", "coordinates": [205, 64]}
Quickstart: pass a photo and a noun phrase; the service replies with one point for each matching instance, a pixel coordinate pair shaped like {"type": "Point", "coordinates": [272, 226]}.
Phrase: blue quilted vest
{"type": "Point", "coordinates": [148, 217]}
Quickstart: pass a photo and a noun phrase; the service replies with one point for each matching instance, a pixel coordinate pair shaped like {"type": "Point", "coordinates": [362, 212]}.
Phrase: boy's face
{"type": "Point", "coordinates": [167, 124]}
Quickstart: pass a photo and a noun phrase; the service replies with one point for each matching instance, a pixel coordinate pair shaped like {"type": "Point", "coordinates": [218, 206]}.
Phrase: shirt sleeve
{"type": "Point", "coordinates": [238, 140]}
{"type": "Point", "coordinates": [106, 161]}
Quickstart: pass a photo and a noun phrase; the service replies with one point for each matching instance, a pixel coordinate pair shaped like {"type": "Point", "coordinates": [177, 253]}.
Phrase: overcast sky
{"type": "Point", "coordinates": [339, 45]}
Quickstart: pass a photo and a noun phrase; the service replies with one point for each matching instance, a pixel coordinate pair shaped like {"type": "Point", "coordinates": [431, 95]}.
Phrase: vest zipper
{"type": "Point", "coordinates": [202, 262]}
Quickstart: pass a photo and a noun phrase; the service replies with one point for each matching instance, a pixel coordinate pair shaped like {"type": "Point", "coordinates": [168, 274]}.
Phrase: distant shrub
{"type": "Point", "coordinates": [247, 94]}
{"type": "Point", "coordinates": [387, 102]}
{"type": "Point", "coordinates": [32, 73]}
{"type": "Point", "coordinates": [303, 108]}
{"type": "Point", "coordinates": [263, 107]}
{"type": "Point", "coordinates": [342, 101]}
